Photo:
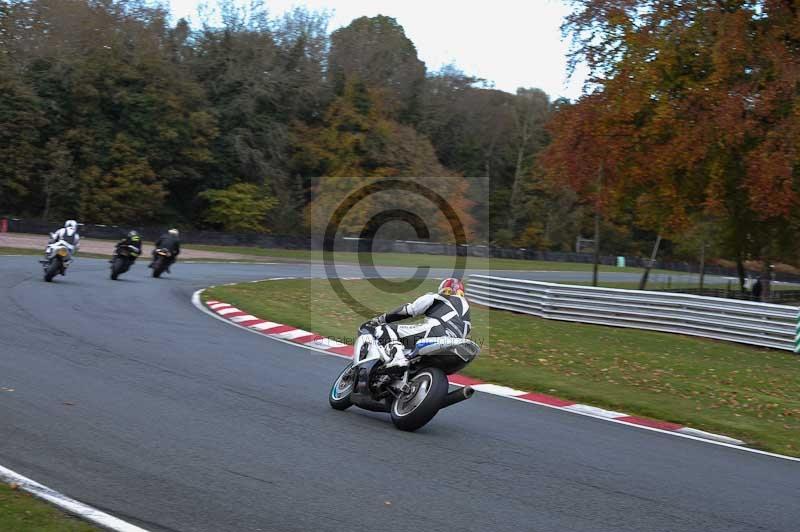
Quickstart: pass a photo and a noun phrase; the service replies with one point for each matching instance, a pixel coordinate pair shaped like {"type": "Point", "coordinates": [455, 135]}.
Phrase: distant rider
{"type": "Point", "coordinates": [446, 314]}
{"type": "Point", "coordinates": [171, 241]}
{"type": "Point", "coordinates": [69, 235]}
{"type": "Point", "coordinates": [133, 240]}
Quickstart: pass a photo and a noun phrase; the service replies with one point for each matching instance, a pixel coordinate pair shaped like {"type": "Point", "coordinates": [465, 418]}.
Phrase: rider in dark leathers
{"type": "Point", "coordinates": [171, 241]}
{"type": "Point", "coordinates": [135, 241]}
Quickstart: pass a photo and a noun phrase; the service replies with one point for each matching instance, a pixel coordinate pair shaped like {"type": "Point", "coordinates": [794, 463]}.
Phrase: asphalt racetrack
{"type": "Point", "coordinates": [128, 398]}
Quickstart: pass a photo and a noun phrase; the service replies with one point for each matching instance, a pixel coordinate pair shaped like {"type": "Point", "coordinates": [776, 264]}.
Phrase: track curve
{"type": "Point", "coordinates": [129, 399]}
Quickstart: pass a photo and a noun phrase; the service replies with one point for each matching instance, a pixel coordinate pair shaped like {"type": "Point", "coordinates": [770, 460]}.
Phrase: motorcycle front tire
{"type": "Point", "coordinates": [339, 396]}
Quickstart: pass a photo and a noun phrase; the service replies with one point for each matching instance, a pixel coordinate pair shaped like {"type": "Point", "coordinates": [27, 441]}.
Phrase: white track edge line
{"type": "Point", "coordinates": [197, 303]}
{"type": "Point", "coordinates": [67, 504]}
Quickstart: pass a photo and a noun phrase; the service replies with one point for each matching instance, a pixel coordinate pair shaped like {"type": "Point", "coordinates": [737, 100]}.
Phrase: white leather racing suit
{"type": "Point", "coordinates": [70, 237]}
{"type": "Point", "coordinates": [444, 316]}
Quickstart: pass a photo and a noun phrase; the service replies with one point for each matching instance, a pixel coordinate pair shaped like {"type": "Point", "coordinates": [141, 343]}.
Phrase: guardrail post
{"type": "Point", "coordinates": [797, 334]}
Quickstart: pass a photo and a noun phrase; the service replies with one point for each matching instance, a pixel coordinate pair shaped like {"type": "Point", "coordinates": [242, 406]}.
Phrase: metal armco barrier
{"type": "Point", "coordinates": [797, 334]}
{"type": "Point", "coordinates": [746, 322]}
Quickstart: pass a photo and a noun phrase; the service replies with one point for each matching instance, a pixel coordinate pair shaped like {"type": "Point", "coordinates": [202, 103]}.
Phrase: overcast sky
{"type": "Point", "coordinates": [513, 43]}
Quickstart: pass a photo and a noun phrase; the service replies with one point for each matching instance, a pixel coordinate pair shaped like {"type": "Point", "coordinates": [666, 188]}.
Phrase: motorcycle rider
{"type": "Point", "coordinates": [69, 235]}
{"type": "Point", "coordinates": [446, 314]}
{"type": "Point", "coordinates": [171, 241]}
{"type": "Point", "coordinates": [131, 239]}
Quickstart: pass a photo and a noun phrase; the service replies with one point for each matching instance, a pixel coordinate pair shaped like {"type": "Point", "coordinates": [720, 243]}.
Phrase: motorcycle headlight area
{"type": "Point", "coordinates": [61, 252]}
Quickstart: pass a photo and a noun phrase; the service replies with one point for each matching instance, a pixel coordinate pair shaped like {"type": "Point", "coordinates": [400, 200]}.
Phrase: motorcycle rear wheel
{"type": "Point", "coordinates": [414, 410]}
{"type": "Point", "coordinates": [339, 396]}
{"type": "Point", "coordinates": [52, 270]}
{"type": "Point", "coordinates": [159, 267]}
{"type": "Point", "coordinates": [116, 268]}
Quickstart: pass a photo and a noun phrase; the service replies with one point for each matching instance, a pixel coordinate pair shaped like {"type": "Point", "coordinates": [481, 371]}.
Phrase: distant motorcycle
{"type": "Point", "coordinates": [162, 261]}
{"type": "Point", "coordinates": [56, 260]}
{"type": "Point", "coordinates": [123, 259]}
{"type": "Point", "coordinates": [414, 397]}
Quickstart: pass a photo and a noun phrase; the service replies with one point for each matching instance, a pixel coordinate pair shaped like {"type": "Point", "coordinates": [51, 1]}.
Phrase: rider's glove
{"type": "Point", "coordinates": [376, 321]}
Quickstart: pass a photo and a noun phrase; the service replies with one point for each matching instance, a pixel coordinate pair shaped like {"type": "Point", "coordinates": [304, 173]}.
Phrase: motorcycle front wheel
{"type": "Point", "coordinates": [339, 396]}
{"type": "Point", "coordinates": [416, 408]}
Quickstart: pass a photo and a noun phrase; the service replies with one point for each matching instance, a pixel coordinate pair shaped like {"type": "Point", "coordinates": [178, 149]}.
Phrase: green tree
{"type": "Point", "coordinates": [376, 51]}
{"type": "Point", "coordinates": [21, 122]}
{"type": "Point", "coordinates": [129, 191]}
{"type": "Point", "coordinates": [60, 184]}
{"type": "Point", "coordinates": [260, 76]}
{"type": "Point", "coordinates": [242, 207]}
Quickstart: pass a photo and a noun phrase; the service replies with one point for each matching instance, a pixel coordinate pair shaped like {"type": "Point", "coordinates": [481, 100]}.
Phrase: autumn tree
{"type": "Point", "coordinates": [699, 104]}
{"type": "Point", "coordinates": [359, 140]}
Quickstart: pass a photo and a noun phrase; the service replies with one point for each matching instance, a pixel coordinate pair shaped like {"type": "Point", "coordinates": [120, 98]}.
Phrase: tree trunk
{"type": "Point", "coordinates": [740, 271]}
{"type": "Point", "coordinates": [46, 213]}
{"type": "Point", "coordinates": [649, 265]}
{"type": "Point", "coordinates": [596, 259]}
{"type": "Point", "coordinates": [766, 288]}
{"type": "Point", "coordinates": [518, 176]}
{"type": "Point", "coordinates": [702, 263]}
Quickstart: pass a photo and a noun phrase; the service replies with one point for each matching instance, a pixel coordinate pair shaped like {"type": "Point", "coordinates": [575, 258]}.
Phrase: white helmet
{"type": "Point", "coordinates": [173, 232]}
{"type": "Point", "coordinates": [71, 224]}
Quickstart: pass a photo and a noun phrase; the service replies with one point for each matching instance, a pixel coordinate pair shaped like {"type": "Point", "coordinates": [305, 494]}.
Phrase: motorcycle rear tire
{"type": "Point", "coordinates": [117, 267]}
{"type": "Point", "coordinates": [429, 406]}
{"type": "Point", "coordinates": [158, 268]}
{"type": "Point", "coordinates": [52, 270]}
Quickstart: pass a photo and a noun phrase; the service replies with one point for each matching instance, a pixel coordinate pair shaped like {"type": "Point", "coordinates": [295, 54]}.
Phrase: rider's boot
{"type": "Point", "coordinates": [395, 355]}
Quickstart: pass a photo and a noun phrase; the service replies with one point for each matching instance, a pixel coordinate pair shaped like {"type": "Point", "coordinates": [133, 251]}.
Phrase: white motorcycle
{"type": "Point", "coordinates": [57, 257]}
{"type": "Point", "coordinates": [414, 397]}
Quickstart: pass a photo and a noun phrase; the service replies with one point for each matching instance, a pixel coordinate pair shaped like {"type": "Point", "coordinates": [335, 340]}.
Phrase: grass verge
{"type": "Point", "coordinates": [749, 393]}
{"type": "Point", "coordinates": [19, 251]}
{"type": "Point", "coordinates": [21, 512]}
{"type": "Point", "coordinates": [38, 252]}
{"type": "Point", "coordinates": [414, 260]}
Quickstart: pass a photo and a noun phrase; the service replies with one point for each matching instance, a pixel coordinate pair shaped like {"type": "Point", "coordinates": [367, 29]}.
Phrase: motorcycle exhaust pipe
{"type": "Point", "coordinates": [456, 396]}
